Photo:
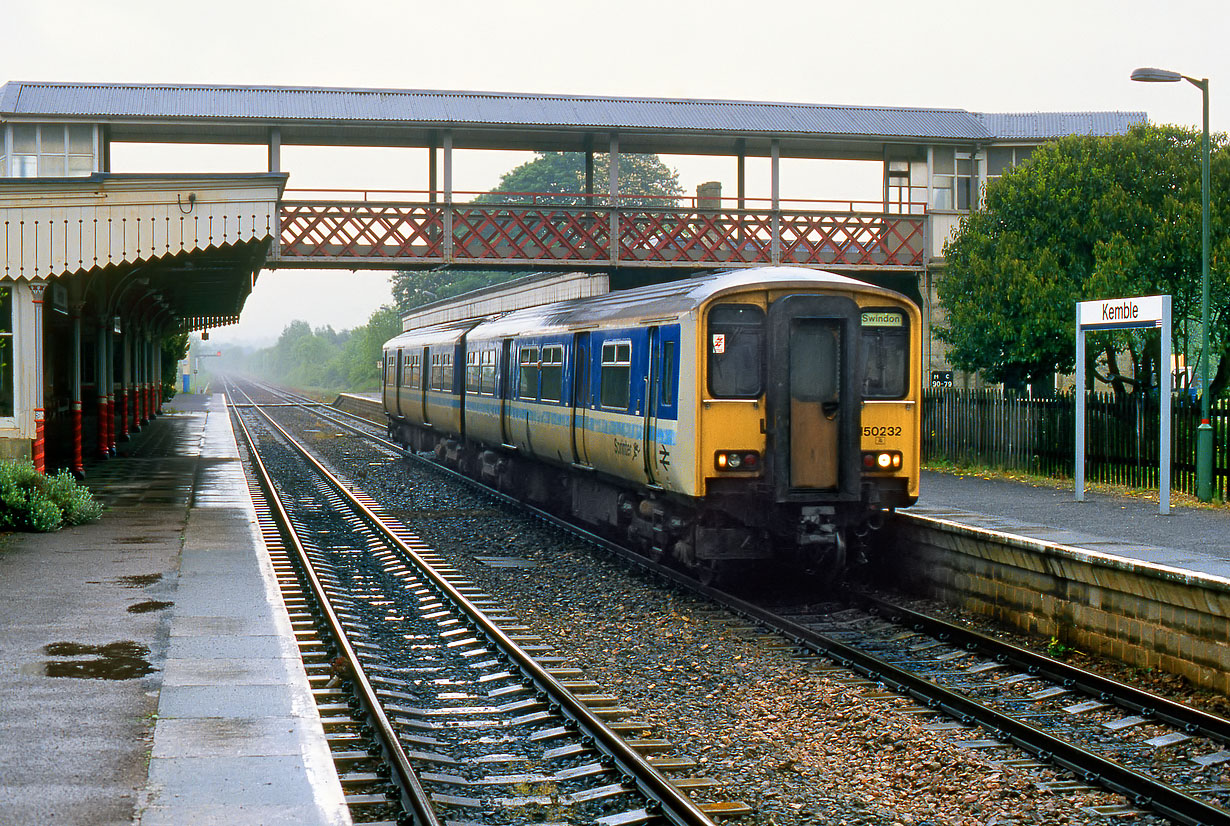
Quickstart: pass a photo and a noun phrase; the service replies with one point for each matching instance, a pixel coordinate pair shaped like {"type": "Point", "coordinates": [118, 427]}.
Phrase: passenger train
{"type": "Point", "coordinates": [740, 418]}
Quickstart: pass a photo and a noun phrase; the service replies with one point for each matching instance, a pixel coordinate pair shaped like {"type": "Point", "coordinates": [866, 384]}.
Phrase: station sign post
{"type": "Point", "coordinates": [1125, 314]}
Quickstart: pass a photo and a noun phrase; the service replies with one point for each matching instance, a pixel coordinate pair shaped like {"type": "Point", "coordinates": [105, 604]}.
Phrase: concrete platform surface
{"type": "Point", "coordinates": [148, 672]}
{"type": "Point", "coordinates": [1188, 538]}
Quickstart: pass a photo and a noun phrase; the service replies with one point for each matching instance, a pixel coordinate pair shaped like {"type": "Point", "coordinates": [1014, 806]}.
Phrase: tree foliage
{"type": "Point", "coordinates": [551, 178]}
{"type": "Point", "coordinates": [644, 180]}
{"type": "Point", "coordinates": [1087, 218]}
{"type": "Point", "coordinates": [323, 359]}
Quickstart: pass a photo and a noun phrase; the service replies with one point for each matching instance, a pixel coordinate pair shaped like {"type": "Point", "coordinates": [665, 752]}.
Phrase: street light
{"type": "Point", "coordinates": [1204, 433]}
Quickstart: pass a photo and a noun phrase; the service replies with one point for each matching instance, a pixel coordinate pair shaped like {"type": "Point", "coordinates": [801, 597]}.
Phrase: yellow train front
{"type": "Point", "coordinates": [725, 420]}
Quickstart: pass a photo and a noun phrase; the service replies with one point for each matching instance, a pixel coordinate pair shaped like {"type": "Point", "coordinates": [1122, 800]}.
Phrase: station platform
{"type": "Point", "coordinates": [1189, 538]}
{"type": "Point", "coordinates": [148, 670]}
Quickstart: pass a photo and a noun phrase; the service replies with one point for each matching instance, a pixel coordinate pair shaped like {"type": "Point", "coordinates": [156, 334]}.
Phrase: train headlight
{"type": "Point", "coordinates": [736, 460]}
{"type": "Point", "coordinates": [884, 460]}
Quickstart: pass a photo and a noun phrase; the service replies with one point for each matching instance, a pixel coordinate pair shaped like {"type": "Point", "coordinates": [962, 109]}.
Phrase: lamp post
{"type": "Point", "coordinates": [1204, 434]}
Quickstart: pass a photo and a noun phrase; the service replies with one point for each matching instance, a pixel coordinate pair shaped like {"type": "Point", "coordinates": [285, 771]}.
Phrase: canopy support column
{"type": "Point", "coordinates": [38, 451]}
{"type": "Point", "coordinates": [613, 240]}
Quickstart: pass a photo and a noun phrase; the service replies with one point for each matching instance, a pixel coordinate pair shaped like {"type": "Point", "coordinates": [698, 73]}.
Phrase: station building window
{"type": "Point", "coordinates": [48, 150]}
{"type": "Point", "coordinates": [954, 178]}
{"type": "Point", "coordinates": [1002, 158]}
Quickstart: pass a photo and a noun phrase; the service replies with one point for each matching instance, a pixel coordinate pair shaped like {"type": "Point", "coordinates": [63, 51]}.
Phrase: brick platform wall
{"type": "Point", "coordinates": [1144, 615]}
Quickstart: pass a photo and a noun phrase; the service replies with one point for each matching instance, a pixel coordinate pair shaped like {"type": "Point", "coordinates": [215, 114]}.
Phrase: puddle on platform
{"type": "Point", "coordinates": [139, 581]}
{"type": "Point", "coordinates": [149, 605]}
{"type": "Point", "coordinates": [125, 660]}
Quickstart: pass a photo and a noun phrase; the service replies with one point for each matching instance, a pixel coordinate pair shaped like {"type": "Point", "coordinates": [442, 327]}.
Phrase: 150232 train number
{"type": "Point", "coordinates": [882, 430]}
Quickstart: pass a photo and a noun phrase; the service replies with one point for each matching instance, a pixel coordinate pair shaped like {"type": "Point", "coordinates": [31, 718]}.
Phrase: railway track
{"type": "Point", "coordinates": [1018, 708]}
{"type": "Point", "coordinates": [438, 704]}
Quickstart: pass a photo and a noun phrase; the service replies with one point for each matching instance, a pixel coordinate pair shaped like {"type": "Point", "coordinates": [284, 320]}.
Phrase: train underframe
{"type": "Point", "coordinates": [736, 528]}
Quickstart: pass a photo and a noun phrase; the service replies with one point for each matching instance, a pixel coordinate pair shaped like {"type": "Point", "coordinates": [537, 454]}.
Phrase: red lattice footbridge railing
{"type": "Point", "coordinates": [557, 231]}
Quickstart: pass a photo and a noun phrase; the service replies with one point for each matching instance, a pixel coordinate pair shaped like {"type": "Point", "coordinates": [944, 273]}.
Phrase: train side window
{"type": "Point", "coordinates": [616, 376]}
{"type": "Point", "coordinates": [669, 376]}
{"type": "Point", "coordinates": [885, 343]}
{"type": "Point", "coordinates": [527, 386]}
{"type": "Point", "coordinates": [413, 380]}
{"type": "Point", "coordinates": [487, 373]}
{"type": "Point", "coordinates": [407, 371]}
{"type": "Point", "coordinates": [552, 373]}
{"type": "Point", "coordinates": [473, 382]}
{"type": "Point", "coordinates": [446, 372]}
{"type": "Point", "coordinates": [736, 347]}
{"type": "Point", "coordinates": [388, 368]}
{"type": "Point", "coordinates": [437, 372]}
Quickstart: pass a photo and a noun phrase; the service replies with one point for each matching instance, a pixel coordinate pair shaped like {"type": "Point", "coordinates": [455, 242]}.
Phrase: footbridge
{"type": "Point", "coordinates": [535, 231]}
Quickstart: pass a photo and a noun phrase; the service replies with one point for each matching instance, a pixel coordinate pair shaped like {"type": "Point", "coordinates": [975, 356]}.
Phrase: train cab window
{"type": "Point", "coordinates": [487, 372]}
{"type": "Point", "coordinates": [473, 380]}
{"type": "Point", "coordinates": [552, 373]}
{"type": "Point", "coordinates": [886, 350]}
{"type": "Point", "coordinates": [736, 345]}
{"type": "Point", "coordinates": [616, 376]}
{"type": "Point", "coordinates": [389, 369]}
{"type": "Point", "coordinates": [527, 386]}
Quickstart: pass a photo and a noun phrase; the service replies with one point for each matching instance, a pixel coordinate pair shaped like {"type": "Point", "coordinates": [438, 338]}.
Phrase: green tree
{"type": "Point", "coordinates": [644, 180]}
{"type": "Point", "coordinates": [1085, 218]}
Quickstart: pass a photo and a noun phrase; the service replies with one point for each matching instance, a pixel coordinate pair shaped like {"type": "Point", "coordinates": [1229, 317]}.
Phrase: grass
{"type": "Point", "coordinates": [1066, 483]}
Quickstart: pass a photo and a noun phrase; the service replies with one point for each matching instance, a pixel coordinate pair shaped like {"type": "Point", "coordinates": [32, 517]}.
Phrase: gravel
{"type": "Point", "coordinates": [782, 733]}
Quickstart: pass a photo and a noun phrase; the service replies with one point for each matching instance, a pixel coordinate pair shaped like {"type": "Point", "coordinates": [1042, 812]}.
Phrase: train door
{"type": "Point", "coordinates": [425, 373]}
{"type": "Point", "coordinates": [813, 398]}
{"type": "Point", "coordinates": [652, 371]}
{"type": "Point", "coordinates": [581, 369]}
{"type": "Point", "coordinates": [396, 379]}
{"type": "Point", "coordinates": [505, 389]}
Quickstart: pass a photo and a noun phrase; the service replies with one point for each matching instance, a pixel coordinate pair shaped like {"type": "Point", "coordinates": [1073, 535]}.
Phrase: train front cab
{"type": "Point", "coordinates": [796, 425]}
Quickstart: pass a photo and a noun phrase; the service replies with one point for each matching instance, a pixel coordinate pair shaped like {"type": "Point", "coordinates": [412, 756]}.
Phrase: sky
{"type": "Point", "coordinates": [978, 55]}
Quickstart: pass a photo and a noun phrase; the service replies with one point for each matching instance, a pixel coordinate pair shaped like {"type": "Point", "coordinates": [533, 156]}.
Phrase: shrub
{"type": "Point", "coordinates": [31, 501]}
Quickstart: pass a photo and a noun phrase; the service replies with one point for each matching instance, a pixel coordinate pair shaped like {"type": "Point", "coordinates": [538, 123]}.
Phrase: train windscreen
{"type": "Point", "coordinates": [886, 351]}
{"type": "Point", "coordinates": [736, 345]}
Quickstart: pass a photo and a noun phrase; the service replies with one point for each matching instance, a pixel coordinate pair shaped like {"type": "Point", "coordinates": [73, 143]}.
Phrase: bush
{"type": "Point", "coordinates": [31, 501]}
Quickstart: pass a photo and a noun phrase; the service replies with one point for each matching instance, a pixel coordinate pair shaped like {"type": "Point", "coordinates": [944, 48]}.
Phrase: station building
{"type": "Point", "coordinates": [100, 267]}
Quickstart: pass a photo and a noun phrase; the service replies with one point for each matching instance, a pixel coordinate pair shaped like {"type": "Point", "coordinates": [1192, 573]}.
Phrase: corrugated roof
{"type": "Point", "coordinates": [1043, 125]}
{"type": "Point", "coordinates": [267, 103]}
{"type": "Point", "coordinates": [364, 107]}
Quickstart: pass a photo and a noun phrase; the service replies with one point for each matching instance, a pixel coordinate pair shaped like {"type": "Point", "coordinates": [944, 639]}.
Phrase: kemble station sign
{"type": "Point", "coordinates": [1125, 314]}
{"type": "Point", "coordinates": [1121, 313]}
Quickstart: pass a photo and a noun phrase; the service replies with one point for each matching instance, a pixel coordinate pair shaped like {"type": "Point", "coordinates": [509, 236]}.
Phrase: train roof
{"type": "Point", "coordinates": [661, 301]}
{"type": "Point", "coordinates": [664, 302]}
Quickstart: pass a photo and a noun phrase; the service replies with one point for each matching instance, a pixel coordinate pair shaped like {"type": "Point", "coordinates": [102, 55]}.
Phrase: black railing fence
{"type": "Point", "coordinates": [987, 428]}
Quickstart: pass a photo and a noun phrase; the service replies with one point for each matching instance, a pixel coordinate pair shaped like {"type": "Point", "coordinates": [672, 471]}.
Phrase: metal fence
{"type": "Point", "coordinates": [985, 427]}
